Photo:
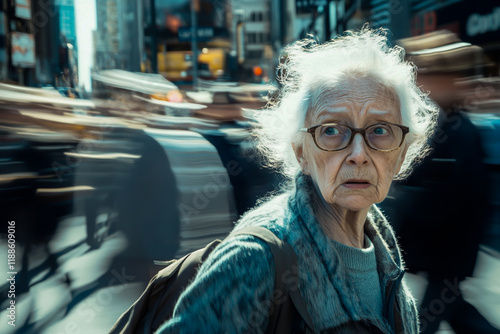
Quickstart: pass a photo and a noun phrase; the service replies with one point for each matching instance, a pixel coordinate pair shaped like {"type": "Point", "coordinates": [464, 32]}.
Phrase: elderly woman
{"type": "Point", "coordinates": [350, 119]}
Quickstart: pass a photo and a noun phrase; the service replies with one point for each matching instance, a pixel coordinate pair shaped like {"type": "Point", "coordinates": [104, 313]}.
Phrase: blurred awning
{"type": "Point", "coordinates": [19, 94]}
{"type": "Point", "coordinates": [176, 105]}
{"type": "Point", "coordinates": [443, 52]}
{"type": "Point", "coordinates": [146, 83]}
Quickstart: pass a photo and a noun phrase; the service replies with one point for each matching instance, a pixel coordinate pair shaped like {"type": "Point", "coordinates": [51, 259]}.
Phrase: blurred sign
{"type": "Point", "coordinates": [23, 9]}
{"type": "Point", "coordinates": [472, 23]}
{"type": "Point", "coordinates": [196, 5]}
{"type": "Point", "coordinates": [483, 23]}
{"type": "Point", "coordinates": [308, 6]}
{"type": "Point", "coordinates": [3, 33]}
{"type": "Point", "coordinates": [202, 34]}
{"type": "Point", "coordinates": [3, 50]}
{"type": "Point", "coordinates": [23, 49]}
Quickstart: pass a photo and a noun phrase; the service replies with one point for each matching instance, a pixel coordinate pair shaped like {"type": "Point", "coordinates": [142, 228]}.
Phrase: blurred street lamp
{"type": "Point", "coordinates": [195, 8]}
{"type": "Point", "coordinates": [154, 42]}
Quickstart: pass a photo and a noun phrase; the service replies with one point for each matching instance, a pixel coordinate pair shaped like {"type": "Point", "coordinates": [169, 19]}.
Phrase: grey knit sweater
{"type": "Point", "coordinates": [360, 267]}
{"type": "Point", "coordinates": [232, 291]}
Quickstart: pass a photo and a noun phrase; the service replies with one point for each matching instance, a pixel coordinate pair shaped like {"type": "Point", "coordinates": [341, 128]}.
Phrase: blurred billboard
{"type": "Point", "coordinates": [23, 49]}
{"type": "Point", "coordinates": [23, 9]}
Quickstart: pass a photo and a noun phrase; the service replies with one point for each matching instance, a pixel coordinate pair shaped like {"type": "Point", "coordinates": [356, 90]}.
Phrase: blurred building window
{"type": "Point", "coordinates": [256, 17]}
{"type": "Point", "coordinates": [254, 54]}
{"type": "Point", "coordinates": [251, 38]}
{"type": "Point", "coordinates": [258, 38]}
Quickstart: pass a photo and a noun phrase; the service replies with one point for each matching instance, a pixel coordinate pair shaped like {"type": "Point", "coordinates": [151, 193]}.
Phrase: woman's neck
{"type": "Point", "coordinates": [340, 224]}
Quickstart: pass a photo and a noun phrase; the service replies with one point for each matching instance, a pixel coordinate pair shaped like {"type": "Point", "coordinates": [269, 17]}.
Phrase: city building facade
{"type": "Point", "coordinates": [37, 40]}
{"type": "Point", "coordinates": [118, 41]}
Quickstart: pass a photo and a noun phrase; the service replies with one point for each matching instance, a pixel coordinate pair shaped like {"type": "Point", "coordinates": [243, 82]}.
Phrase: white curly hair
{"type": "Point", "coordinates": [308, 69]}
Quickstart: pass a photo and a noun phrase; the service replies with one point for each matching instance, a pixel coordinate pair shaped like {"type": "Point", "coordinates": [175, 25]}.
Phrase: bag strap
{"type": "Point", "coordinates": [286, 267]}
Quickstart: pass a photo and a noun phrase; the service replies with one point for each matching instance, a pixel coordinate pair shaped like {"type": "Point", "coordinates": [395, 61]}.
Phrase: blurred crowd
{"type": "Point", "coordinates": [170, 170]}
{"type": "Point", "coordinates": [448, 207]}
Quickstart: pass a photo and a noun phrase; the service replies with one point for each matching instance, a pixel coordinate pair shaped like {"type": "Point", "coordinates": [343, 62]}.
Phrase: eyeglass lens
{"type": "Point", "coordinates": [379, 136]}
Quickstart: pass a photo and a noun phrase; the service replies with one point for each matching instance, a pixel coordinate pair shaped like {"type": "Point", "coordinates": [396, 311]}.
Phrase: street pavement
{"type": "Point", "coordinates": [89, 290]}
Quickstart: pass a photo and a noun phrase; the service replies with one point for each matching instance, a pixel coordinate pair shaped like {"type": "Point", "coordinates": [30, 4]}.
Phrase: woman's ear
{"type": "Point", "coordinates": [298, 149]}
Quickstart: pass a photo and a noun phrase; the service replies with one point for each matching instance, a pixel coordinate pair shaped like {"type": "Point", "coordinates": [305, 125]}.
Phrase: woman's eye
{"type": "Point", "coordinates": [380, 131]}
{"type": "Point", "coordinates": [330, 131]}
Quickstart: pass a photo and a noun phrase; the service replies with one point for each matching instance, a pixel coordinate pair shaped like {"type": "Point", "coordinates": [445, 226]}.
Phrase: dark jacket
{"type": "Point", "coordinates": [440, 210]}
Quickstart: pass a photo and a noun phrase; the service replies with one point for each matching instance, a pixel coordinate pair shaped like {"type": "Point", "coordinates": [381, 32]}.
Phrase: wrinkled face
{"type": "Point", "coordinates": [356, 177]}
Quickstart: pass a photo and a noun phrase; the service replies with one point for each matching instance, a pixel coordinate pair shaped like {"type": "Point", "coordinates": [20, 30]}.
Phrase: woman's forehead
{"type": "Point", "coordinates": [359, 88]}
{"type": "Point", "coordinates": [364, 95]}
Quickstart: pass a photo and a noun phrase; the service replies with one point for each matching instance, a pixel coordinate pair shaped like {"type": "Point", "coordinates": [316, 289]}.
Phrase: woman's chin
{"type": "Point", "coordinates": [354, 203]}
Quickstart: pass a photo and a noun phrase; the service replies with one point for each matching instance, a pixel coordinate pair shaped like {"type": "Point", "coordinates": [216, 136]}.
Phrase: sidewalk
{"type": "Point", "coordinates": [85, 294]}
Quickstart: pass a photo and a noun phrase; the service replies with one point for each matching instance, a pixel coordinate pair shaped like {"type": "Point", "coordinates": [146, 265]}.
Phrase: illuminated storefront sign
{"type": "Point", "coordinates": [472, 23]}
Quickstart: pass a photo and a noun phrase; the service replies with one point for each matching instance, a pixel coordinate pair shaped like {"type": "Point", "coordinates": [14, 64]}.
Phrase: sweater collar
{"type": "Point", "coordinates": [376, 228]}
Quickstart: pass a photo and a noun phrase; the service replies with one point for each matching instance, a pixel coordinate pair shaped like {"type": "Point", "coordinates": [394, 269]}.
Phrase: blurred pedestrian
{"type": "Point", "coordinates": [350, 119]}
{"type": "Point", "coordinates": [440, 210]}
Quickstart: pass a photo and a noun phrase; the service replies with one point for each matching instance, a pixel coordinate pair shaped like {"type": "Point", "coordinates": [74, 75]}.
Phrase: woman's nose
{"type": "Point", "coordinates": [358, 154]}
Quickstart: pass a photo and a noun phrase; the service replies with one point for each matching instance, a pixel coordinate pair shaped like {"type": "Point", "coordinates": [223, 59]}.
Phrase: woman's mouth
{"type": "Point", "coordinates": [356, 184]}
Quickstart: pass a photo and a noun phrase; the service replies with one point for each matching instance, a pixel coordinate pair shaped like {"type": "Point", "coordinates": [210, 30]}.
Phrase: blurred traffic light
{"type": "Point", "coordinates": [257, 71]}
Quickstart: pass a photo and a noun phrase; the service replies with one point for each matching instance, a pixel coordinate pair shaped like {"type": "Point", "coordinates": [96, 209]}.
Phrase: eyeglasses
{"type": "Point", "coordinates": [383, 137]}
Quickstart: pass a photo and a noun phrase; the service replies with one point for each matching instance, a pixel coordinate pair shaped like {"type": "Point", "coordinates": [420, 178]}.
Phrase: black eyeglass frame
{"type": "Point", "coordinates": [354, 131]}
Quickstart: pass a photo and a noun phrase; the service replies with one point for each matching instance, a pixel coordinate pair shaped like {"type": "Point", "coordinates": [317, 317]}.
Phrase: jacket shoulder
{"type": "Point", "coordinates": [271, 214]}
